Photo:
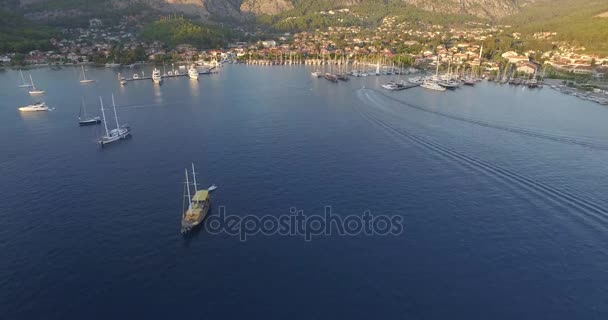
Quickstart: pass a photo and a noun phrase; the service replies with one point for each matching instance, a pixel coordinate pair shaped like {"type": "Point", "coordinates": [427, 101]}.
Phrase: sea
{"type": "Point", "coordinates": [502, 191]}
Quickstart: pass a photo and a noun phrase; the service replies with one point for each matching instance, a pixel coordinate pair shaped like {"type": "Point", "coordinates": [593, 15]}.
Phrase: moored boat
{"type": "Point", "coordinates": [193, 72]}
{"type": "Point", "coordinates": [23, 84]}
{"type": "Point", "coordinates": [38, 106]}
{"type": "Point", "coordinates": [84, 77]}
{"type": "Point", "coordinates": [34, 91]}
{"type": "Point", "coordinates": [331, 77]}
{"type": "Point", "coordinates": [121, 132]}
{"type": "Point", "coordinates": [156, 77]}
{"type": "Point", "coordinates": [432, 86]}
{"type": "Point", "coordinates": [84, 119]}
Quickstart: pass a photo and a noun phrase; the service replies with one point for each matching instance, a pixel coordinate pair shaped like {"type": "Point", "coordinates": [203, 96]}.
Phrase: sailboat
{"type": "Point", "coordinates": [84, 77]}
{"type": "Point", "coordinates": [23, 84]}
{"type": "Point", "coordinates": [34, 90]}
{"type": "Point", "coordinates": [198, 205]}
{"type": "Point", "coordinates": [432, 85]}
{"type": "Point", "coordinates": [121, 132]}
{"type": "Point", "coordinates": [83, 119]}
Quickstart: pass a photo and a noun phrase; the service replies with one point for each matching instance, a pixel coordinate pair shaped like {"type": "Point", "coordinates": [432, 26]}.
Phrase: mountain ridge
{"type": "Point", "coordinates": [242, 9]}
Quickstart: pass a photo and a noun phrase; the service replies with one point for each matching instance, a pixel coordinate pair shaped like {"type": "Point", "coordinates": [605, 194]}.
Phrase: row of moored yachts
{"type": "Point", "coordinates": [437, 83]}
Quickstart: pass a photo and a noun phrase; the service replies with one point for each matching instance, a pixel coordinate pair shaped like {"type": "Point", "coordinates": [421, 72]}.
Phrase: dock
{"type": "Point", "coordinates": [169, 75]}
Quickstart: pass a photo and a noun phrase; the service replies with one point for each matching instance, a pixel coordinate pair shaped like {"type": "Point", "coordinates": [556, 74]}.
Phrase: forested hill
{"type": "Point", "coordinates": [20, 35]}
{"type": "Point", "coordinates": [580, 22]}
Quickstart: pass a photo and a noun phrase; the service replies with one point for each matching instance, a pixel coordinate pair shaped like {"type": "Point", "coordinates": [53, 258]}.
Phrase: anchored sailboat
{"type": "Point", "coordinates": [83, 119]}
{"type": "Point", "coordinates": [23, 84]}
{"type": "Point", "coordinates": [198, 205]}
{"type": "Point", "coordinates": [121, 132]}
{"type": "Point", "coordinates": [84, 77]}
{"type": "Point", "coordinates": [34, 90]}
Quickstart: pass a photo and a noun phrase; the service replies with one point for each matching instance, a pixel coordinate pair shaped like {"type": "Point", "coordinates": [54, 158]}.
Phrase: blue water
{"type": "Point", "coordinates": [502, 191]}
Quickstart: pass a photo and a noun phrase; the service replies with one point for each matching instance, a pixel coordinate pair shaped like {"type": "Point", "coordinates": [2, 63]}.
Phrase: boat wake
{"type": "Point", "coordinates": [591, 209]}
{"type": "Point", "coordinates": [152, 105]}
{"type": "Point", "coordinates": [500, 126]}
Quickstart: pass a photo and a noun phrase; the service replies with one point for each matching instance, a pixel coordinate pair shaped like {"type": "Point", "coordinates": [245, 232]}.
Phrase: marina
{"type": "Point", "coordinates": [191, 74]}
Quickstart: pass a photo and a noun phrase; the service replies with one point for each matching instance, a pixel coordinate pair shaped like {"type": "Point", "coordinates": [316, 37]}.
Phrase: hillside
{"type": "Point", "coordinates": [220, 9]}
{"type": "Point", "coordinates": [19, 35]}
{"type": "Point", "coordinates": [579, 22]}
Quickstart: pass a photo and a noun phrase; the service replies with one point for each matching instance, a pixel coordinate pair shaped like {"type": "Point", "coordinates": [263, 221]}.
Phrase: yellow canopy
{"type": "Point", "coordinates": [201, 195]}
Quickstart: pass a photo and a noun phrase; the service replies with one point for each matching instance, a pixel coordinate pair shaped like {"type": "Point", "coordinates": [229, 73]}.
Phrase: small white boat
{"type": "Point", "coordinates": [193, 72]}
{"type": "Point", "coordinates": [415, 80]}
{"type": "Point", "coordinates": [135, 76]}
{"type": "Point", "coordinates": [34, 90]}
{"type": "Point", "coordinates": [317, 74]}
{"type": "Point", "coordinates": [390, 86]}
{"type": "Point", "coordinates": [212, 187]}
{"type": "Point", "coordinates": [38, 106]}
{"type": "Point", "coordinates": [112, 65]}
{"type": "Point", "coordinates": [449, 84]}
{"type": "Point", "coordinates": [84, 77]}
{"type": "Point", "coordinates": [432, 86]}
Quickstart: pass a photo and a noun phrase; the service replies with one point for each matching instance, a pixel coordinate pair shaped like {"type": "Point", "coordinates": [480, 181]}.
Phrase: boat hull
{"type": "Point", "coordinates": [28, 109]}
{"type": "Point", "coordinates": [89, 122]}
{"type": "Point", "coordinates": [189, 225]}
{"type": "Point", "coordinates": [115, 137]}
{"type": "Point", "coordinates": [86, 81]}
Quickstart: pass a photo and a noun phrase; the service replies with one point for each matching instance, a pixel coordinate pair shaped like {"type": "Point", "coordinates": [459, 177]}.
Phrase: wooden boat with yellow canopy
{"type": "Point", "coordinates": [198, 205]}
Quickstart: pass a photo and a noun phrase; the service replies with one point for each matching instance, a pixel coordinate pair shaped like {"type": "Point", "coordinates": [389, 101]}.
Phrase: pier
{"type": "Point", "coordinates": [170, 74]}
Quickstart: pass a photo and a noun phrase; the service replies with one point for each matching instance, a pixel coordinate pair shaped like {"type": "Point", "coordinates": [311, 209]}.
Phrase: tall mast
{"type": "Point", "coordinates": [84, 77]}
{"type": "Point", "coordinates": [480, 54]}
{"type": "Point", "coordinates": [103, 113]}
{"type": "Point", "coordinates": [115, 114]}
{"type": "Point", "coordinates": [194, 178]}
{"type": "Point", "coordinates": [437, 70]}
{"type": "Point", "coordinates": [83, 108]}
{"type": "Point", "coordinates": [32, 81]}
{"type": "Point", "coordinates": [22, 79]}
{"type": "Point", "coordinates": [188, 188]}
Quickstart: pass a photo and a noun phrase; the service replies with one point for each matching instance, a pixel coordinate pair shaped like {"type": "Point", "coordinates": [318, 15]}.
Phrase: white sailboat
{"type": "Point", "coordinates": [84, 119]}
{"type": "Point", "coordinates": [34, 90]}
{"type": "Point", "coordinates": [84, 77]}
{"type": "Point", "coordinates": [23, 84]}
{"type": "Point", "coordinates": [428, 84]}
{"type": "Point", "coordinates": [121, 132]}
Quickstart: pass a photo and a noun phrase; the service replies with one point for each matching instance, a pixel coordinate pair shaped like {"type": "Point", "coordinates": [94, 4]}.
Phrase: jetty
{"type": "Point", "coordinates": [170, 74]}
